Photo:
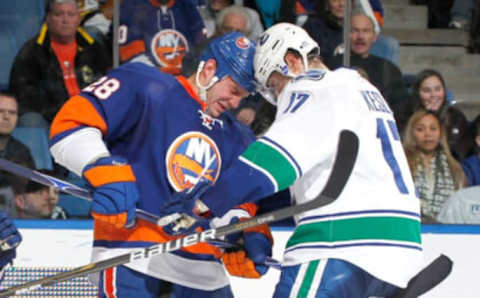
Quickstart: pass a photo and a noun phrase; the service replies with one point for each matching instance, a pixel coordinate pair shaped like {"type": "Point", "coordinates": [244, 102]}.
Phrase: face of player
{"type": "Point", "coordinates": [63, 21]}
{"type": "Point", "coordinates": [8, 115]}
{"type": "Point", "coordinates": [427, 133]}
{"type": "Point", "coordinates": [337, 8]}
{"type": "Point", "coordinates": [432, 93]}
{"type": "Point", "coordinates": [39, 204]}
{"type": "Point", "coordinates": [362, 35]}
{"type": "Point", "coordinates": [276, 82]}
{"type": "Point", "coordinates": [223, 96]}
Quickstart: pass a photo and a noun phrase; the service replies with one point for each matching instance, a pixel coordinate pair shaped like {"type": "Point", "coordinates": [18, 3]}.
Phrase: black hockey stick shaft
{"type": "Point", "coordinates": [342, 168]}
{"type": "Point", "coordinates": [427, 279]}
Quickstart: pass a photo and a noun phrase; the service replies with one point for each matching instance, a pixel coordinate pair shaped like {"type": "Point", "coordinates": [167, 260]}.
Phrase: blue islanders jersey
{"type": "Point", "coordinates": [164, 33]}
{"type": "Point", "coordinates": [158, 123]}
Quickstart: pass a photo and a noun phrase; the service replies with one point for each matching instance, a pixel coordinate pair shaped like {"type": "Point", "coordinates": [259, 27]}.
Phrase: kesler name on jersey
{"type": "Point", "coordinates": [375, 101]}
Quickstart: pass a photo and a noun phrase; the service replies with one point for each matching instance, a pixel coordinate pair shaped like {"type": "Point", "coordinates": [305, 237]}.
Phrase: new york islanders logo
{"type": "Point", "coordinates": [242, 42]}
{"type": "Point", "coordinates": [189, 156]}
{"type": "Point", "coordinates": [168, 47]}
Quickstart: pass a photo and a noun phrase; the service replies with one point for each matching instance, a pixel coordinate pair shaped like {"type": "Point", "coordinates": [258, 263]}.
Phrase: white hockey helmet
{"type": "Point", "coordinates": [272, 46]}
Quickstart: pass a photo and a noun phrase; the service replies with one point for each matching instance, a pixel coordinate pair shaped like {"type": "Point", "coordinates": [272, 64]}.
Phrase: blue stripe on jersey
{"type": "Point", "coordinates": [334, 246]}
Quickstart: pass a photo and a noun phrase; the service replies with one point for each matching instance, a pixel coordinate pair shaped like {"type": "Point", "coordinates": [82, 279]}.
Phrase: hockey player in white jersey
{"type": "Point", "coordinates": [367, 242]}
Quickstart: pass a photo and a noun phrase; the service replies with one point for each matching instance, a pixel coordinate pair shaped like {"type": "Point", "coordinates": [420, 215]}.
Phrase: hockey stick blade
{"type": "Point", "coordinates": [427, 279]}
{"type": "Point", "coordinates": [342, 168]}
{"type": "Point", "coordinates": [44, 179]}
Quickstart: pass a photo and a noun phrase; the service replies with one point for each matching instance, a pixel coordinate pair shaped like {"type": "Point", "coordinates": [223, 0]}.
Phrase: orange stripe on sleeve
{"type": "Point", "coordinates": [132, 49]}
{"type": "Point", "coordinates": [250, 207]}
{"type": "Point", "coordinates": [75, 112]}
{"type": "Point", "coordinates": [100, 175]}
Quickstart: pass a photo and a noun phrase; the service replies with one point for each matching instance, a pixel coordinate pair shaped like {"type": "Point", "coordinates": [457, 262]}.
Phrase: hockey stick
{"type": "Point", "coordinates": [80, 192]}
{"type": "Point", "coordinates": [427, 279]}
{"type": "Point", "coordinates": [69, 188]}
{"type": "Point", "coordinates": [342, 168]}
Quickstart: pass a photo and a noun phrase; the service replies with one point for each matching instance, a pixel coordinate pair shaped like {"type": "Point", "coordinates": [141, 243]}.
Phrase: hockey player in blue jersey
{"type": "Point", "coordinates": [139, 136]}
{"type": "Point", "coordinates": [161, 31]}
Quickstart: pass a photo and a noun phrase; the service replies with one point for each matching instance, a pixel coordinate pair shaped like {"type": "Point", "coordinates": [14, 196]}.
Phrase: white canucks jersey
{"type": "Point", "coordinates": [375, 223]}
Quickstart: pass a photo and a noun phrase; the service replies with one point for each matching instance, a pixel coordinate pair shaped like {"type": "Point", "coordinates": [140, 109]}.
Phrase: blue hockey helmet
{"type": "Point", "coordinates": [234, 55]}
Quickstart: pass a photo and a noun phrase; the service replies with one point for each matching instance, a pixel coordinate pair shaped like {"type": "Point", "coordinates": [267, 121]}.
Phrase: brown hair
{"type": "Point", "coordinates": [414, 155]}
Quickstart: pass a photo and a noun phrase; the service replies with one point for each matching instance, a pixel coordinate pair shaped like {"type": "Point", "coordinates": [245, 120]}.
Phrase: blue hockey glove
{"type": "Point", "coordinates": [10, 238]}
{"type": "Point", "coordinates": [250, 262]}
{"type": "Point", "coordinates": [115, 192]}
{"type": "Point", "coordinates": [183, 203]}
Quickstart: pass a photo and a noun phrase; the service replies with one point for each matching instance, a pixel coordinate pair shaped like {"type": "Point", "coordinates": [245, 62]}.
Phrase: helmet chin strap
{"type": "Point", "coordinates": [203, 89]}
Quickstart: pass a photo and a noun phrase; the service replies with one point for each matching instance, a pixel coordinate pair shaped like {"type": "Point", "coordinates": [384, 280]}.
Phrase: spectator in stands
{"type": "Point", "coordinates": [269, 11]}
{"type": "Point", "coordinates": [10, 148]}
{"type": "Point", "coordinates": [382, 73]}
{"type": "Point", "coordinates": [237, 18]}
{"type": "Point", "coordinates": [211, 11]}
{"type": "Point", "coordinates": [37, 201]}
{"type": "Point", "coordinates": [438, 12]}
{"type": "Point", "coordinates": [159, 31]}
{"type": "Point", "coordinates": [55, 64]}
{"type": "Point", "coordinates": [436, 173]}
{"type": "Point", "coordinates": [97, 17]}
{"type": "Point", "coordinates": [471, 164]}
{"type": "Point", "coordinates": [428, 92]}
{"type": "Point", "coordinates": [325, 26]}
{"type": "Point", "coordinates": [385, 46]}
{"type": "Point", "coordinates": [461, 14]}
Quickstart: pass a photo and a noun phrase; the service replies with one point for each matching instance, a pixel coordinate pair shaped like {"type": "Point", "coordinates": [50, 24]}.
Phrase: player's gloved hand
{"type": "Point", "coordinates": [185, 201]}
{"type": "Point", "coordinates": [250, 262]}
{"type": "Point", "coordinates": [10, 238]}
{"type": "Point", "coordinates": [115, 192]}
{"type": "Point", "coordinates": [186, 224]}
{"type": "Point", "coordinates": [182, 209]}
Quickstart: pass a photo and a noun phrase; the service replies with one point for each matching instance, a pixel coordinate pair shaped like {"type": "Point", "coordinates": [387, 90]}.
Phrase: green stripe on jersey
{"type": "Point", "coordinates": [308, 279]}
{"type": "Point", "coordinates": [272, 161]}
{"type": "Point", "coordinates": [365, 228]}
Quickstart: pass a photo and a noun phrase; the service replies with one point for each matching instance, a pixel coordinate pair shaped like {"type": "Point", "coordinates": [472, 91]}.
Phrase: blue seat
{"type": "Point", "coordinates": [36, 139]}
{"type": "Point", "coordinates": [23, 7]}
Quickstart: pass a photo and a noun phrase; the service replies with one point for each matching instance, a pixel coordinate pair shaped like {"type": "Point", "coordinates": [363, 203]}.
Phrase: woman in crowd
{"type": "Point", "coordinates": [435, 171]}
{"type": "Point", "coordinates": [428, 92]}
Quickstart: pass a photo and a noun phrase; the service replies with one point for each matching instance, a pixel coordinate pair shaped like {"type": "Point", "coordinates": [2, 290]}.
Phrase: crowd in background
{"type": "Point", "coordinates": [73, 49]}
